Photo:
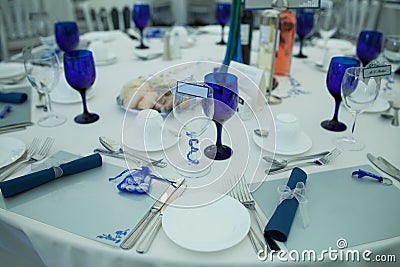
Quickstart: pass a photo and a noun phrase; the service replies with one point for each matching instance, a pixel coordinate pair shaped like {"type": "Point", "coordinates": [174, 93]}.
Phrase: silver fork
{"type": "Point", "coordinates": [33, 156]}
{"type": "Point", "coordinates": [240, 192]}
{"type": "Point", "coordinates": [319, 162]}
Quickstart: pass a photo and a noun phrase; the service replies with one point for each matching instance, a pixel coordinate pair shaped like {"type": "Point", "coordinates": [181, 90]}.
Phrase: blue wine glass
{"type": "Point", "coordinates": [67, 35]}
{"type": "Point", "coordinates": [225, 91]}
{"type": "Point", "coordinates": [305, 23]}
{"type": "Point", "coordinates": [369, 45]}
{"type": "Point", "coordinates": [80, 74]}
{"type": "Point", "coordinates": [141, 17]}
{"type": "Point", "coordinates": [222, 14]}
{"type": "Point", "coordinates": [337, 68]}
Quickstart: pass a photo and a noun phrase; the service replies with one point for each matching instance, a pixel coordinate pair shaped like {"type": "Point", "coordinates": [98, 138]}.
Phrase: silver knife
{"type": "Point", "coordinates": [380, 165]}
{"type": "Point", "coordinates": [146, 242]}
{"type": "Point", "coordinates": [395, 171]}
{"type": "Point", "coordinates": [134, 235]}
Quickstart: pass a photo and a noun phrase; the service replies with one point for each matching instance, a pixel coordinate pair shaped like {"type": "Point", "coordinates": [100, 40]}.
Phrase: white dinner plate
{"type": "Point", "coordinates": [11, 70]}
{"type": "Point", "coordinates": [210, 227]}
{"type": "Point", "coordinates": [111, 60]}
{"type": "Point", "coordinates": [268, 144]}
{"type": "Point", "coordinates": [11, 150]}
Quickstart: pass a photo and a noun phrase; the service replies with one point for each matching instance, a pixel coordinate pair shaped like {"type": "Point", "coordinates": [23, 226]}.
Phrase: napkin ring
{"type": "Point", "coordinates": [299, 193]}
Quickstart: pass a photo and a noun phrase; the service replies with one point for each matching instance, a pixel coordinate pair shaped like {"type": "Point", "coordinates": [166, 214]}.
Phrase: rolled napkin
{"type": "Point", "coordinates": [16, 98]}
{"type": "Point", "coordinates": [278, 227]}
{"type": "Point", "coordinates": [18, 185]}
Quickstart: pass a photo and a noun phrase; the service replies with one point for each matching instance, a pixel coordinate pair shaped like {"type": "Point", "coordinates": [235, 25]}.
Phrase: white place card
{"type": "Point", "coordinates": [384, 70]}
{"type": "Point", "coordinates": [254, 75]}
{"type": "Point", "coordinates": [265, 4]}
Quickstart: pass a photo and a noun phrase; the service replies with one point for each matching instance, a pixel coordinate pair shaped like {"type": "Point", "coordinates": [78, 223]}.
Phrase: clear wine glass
{"type": "Point", "coordinates": [225, 86]}
{"type": "Point", "coordinates": [327, 25]}
{"type": "Point", "coordinates": [67, 35]}
{"type": "Point", "coordinates": [141, 17]}
{"type": "Point", "coordinates": [43, 72]}
{"type": "Point", "coordinates": [193, 109]}
{"type": "Point", "coordinates": [369, 45]}
{"type": "Point", "coordinates": [391, 49]}
{"type": "Point", "coordinates": [305, 23]}
{"type": "Point", "coordinates": [337, 68]}
{"type": "Point", "coordinates": [80, 74]}
{"type": "Point", "coordinates": [42, 27]}
{"type": "Point", "coordinates": [358, 92]}
{"type": "Point", "coordinates": [222, 15]}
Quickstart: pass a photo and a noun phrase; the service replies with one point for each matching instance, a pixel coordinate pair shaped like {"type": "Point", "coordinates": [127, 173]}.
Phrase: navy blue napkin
{"type": "Point", "coordinates": [15, 98]}
{"type": "Point", "coordinates": [280, 223]}
{"type": "Point", "coordinates": [18, 185]}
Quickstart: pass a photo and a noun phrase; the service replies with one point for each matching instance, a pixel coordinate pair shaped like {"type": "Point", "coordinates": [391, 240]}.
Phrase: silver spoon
{"type": "Point", "coordinates": [276, 164]}
{"type": "Point", "coordinates": [116, 148]}
{"type": "Point", "coordinates": [261, 132]}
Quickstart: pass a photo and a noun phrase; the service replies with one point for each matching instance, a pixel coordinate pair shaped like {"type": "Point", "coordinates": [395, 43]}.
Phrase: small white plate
{"type": "Point", "coordinates": [11, 150]}
{"type": "Point", "coordinates": [104, 36]}
{"type": "Point", "coordinates": [111, 60]}
{"type": "Point", "coordinates": [335, 44]}
{"type": "Point", "coordinates": [65, 94]}
{"type": "Point", "coordinates": [136, 143]}
{"type": "Point", "coordinates": [379, 105]}
{"type": "Point", "coordinates": [268, 144]}
{"type": "Point", "coordinates": [215, 226]}
{"type": "Point", "coordinates": [11, 70]}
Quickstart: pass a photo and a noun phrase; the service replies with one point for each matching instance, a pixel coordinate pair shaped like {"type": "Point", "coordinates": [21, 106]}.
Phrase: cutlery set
{"type": "Point", "coordinates": [33, 154]}
{"type": "Point", "coordinates": [170, 194]}
{"type": "Point", "coordinates": [114, 149]}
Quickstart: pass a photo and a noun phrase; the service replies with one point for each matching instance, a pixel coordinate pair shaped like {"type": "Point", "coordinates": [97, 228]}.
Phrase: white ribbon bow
{"type": "Point", "coordinates": [299, 192]}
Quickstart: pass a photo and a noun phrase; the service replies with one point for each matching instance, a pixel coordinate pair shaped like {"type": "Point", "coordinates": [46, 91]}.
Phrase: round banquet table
{"type": "Point", "coordinates": [27, 242]}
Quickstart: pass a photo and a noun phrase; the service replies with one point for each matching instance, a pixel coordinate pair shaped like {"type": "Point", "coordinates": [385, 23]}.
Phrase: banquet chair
{"type": "Point", "coordinates": [116, 15]}
{"type": "Point", "coordinates": [360, 15]}
{"type": "Point", "coordinates": [15, 26]}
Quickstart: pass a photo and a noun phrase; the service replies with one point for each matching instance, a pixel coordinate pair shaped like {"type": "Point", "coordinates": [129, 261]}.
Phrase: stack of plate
{"type": "Point", "coordinates": [11, 73]}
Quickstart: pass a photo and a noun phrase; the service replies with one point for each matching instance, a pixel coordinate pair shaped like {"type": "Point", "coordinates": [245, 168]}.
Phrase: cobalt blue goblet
{"type": "Point", "coordinates": [337, 68]}
{"type": "Point", "coordinates": [305, 23]}
{"type": "Point", "coordinates": [141, 17]}
{"type": "Point", "coordinates": [225, 92]}
{"type": "Point", "coordinates": [67, 35]}
{"type": "Point", "coordinates": [222, 15]}
{"type": "Point", "coordinates": [80, 74]}
{"type": "Point", "coordinates": [369, 45]}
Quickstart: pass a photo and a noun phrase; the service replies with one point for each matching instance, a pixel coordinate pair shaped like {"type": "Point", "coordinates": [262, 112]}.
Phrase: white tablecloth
{"type": "Point", "coordinates": [25, 242]}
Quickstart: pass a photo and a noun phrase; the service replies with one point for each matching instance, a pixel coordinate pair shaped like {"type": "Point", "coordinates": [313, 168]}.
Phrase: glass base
{"type": "Point", "coordinates": [334, 126]}
{"type": "Point", "coordinates": [189, 170]}
{"type": "Point", "coordinates": [274, 100]}
{"type": "Point", "coordinates": [348, 143]}
{"type": "Point", "coordinates": [51, 120]}
{"type": "Point", "coordinates": [86, 118]}
{"type": "Point", "coordinates": [218, 152]}
{"type": "Point", "coordinates": [222, 42]}
{"type": "Point", "coordinates": [142, 46]}
{"type": "Point", "coordinates": [301, 56]}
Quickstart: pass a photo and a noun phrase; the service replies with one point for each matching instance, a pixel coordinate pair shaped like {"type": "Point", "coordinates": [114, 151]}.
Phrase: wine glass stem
{"type": "Point", "coordinates": [337, 105]}
{"type": "Point", "coordinates": [301, 47]}
{"type": "Point", "coordinates": [222, 33]}
{"type": "Point", "coordinates": [83, 95]}
{"type": "Point", "coordinates": [354, 124]}
{"type": "Point", "coordinates": [141, 36]}
{"type": "Point", "coordinates": [192, 155]}
{"type": "Point", "coordinates": [219, 134]}
{"type": "Point", "coordinates": [47, 101]}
